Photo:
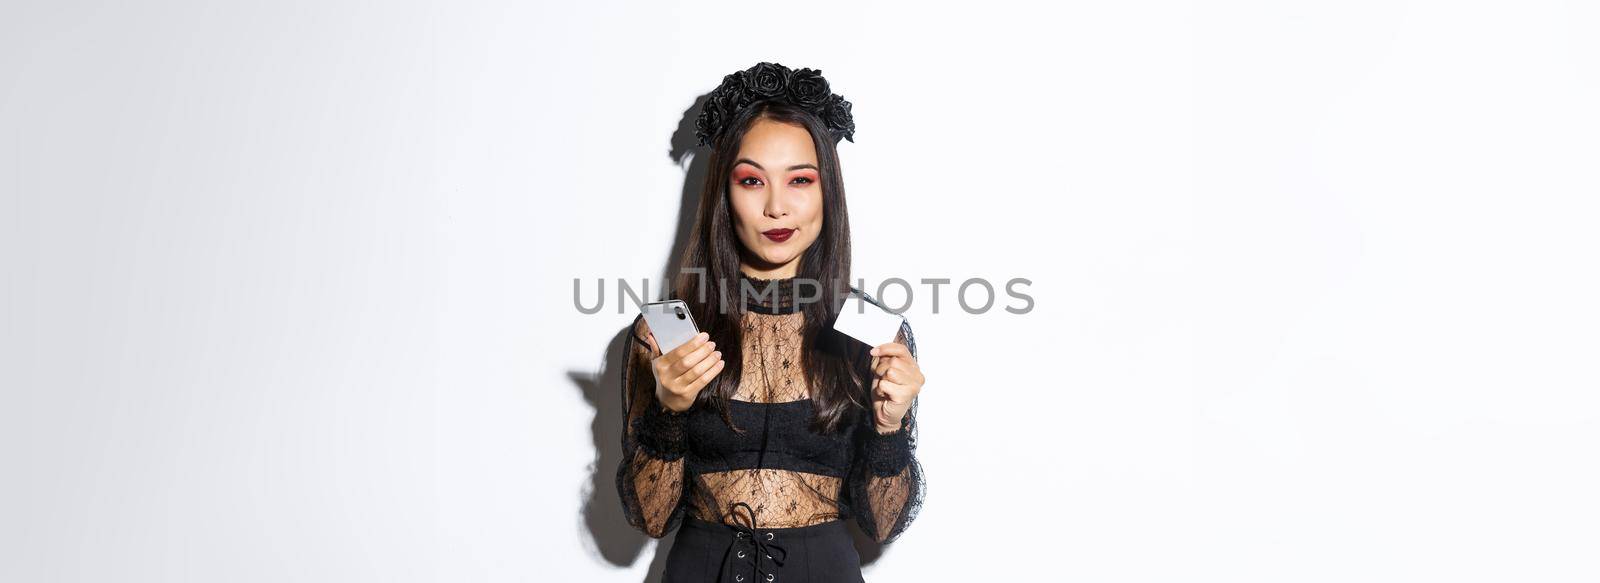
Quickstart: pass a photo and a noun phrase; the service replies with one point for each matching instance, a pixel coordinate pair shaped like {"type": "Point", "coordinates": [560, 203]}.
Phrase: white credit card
{"type": "Point", "coordinates": [866, 322]}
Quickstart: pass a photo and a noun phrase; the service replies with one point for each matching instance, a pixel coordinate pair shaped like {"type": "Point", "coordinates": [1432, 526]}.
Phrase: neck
{"type": "Point", "coordinates": [768, 292]}
{"type": "Point", "coordinates": [784, 271]}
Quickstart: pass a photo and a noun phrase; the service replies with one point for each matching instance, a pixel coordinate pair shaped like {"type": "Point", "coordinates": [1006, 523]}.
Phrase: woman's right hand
{"type": "Point", "coordinates": [681, 374]}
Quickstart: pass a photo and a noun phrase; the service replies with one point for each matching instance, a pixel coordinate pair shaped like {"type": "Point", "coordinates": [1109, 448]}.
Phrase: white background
{"type": "Point", "coordinates": [288, 286]}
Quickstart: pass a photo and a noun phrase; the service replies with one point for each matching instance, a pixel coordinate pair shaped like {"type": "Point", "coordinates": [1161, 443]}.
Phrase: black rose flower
{"type": "Point", "coordinates": [715, 113]}
{"type": "Point", "coordinates": [721, 105]}
{"type": "Point", "coordinates": [710, 121]}
{"type": "Point", "coordinates": [767, 80]}
{"type": "Point", "coordinates": [808, 89]}
{"type": "Point", "coordinates": [837, 115]}
{"type": "Point", "coordinates": [727, 95]}
{"type": "Point", "coordinates": [737, 100]}
{"type": "Point", "coordinates": [802, 88]}
{"type": "Point", "coordinates": [732, 82]}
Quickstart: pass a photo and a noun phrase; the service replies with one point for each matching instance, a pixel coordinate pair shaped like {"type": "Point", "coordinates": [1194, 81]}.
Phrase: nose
{"type": "Point", "coordinates": [776, 208]}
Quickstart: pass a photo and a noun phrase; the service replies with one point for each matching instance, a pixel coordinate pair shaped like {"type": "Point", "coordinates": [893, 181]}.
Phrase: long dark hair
{"type": "Point", "coordinates": [715, 298]}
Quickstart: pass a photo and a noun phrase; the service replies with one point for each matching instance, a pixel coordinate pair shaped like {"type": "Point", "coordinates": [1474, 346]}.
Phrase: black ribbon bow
{"type": "Point", "coordinates": [760, 543]}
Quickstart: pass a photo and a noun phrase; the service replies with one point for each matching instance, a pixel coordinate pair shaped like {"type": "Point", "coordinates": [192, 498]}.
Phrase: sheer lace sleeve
{"type": "Point", "coordinates": [886, 482]}
{"type": "Point", "coordinates": [650, 478]}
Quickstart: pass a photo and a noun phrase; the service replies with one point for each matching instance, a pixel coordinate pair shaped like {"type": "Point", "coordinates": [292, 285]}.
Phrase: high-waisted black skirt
{"type": "Point", "coordinates": [704, 552]}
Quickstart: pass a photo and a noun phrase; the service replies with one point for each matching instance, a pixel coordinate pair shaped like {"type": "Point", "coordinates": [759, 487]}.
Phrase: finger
{"type": "Point", "coordinates": [908, 368]}
{"type": "Point", "coordinates": [883, 367]}
{"type": "Point", "coordinates": [899, 381]}
{"type": "Point", "coordinates": [694, 372]}
{"type": "Point", "coordinates": [705, 378]}
{"type": "Point", "coordinates": [690, 346]}
{"type": "Point", "coordinates": [651, 338]}
{"type": "Point", "coordinates": [891, 391]}
{"type": "Point", "coordinates": [674, 363]}
{"type": "Point", "coordinates": [690, 357]}
{"type": "Point", "coordinates": [891, 349]}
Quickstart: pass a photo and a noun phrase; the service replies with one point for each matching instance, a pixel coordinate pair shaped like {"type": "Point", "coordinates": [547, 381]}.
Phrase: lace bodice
{"type": "Point", "coordinates": [693, 463]}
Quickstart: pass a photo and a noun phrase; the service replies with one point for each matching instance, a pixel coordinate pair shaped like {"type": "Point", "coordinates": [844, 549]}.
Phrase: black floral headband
{"type": "Point", "coordinates": [803, 88]}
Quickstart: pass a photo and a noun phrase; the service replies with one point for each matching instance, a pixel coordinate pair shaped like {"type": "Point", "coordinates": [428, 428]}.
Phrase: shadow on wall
{"type": "Point", "coordinates": [617, 542]}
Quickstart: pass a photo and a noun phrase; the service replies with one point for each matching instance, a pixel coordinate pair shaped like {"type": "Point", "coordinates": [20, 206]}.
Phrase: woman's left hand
{"type": "Point", "coordinates": [896, 381]}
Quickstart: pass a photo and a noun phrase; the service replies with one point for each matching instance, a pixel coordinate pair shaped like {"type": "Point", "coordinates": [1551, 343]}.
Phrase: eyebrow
{"type": "Point", "coordinates": [794, 167]}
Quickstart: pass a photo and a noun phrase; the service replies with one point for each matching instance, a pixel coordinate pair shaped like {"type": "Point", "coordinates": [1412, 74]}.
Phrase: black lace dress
{"type": "Point", "coordinates": [768, 504]}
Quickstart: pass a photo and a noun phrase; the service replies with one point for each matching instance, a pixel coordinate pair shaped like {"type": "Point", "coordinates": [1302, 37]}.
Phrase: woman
{"type": "Point", "coordinates": [769, 430]}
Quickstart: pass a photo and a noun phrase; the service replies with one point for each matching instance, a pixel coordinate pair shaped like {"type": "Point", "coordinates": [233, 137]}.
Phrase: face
{"type": "Point", "coordinates": [776, 194]}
